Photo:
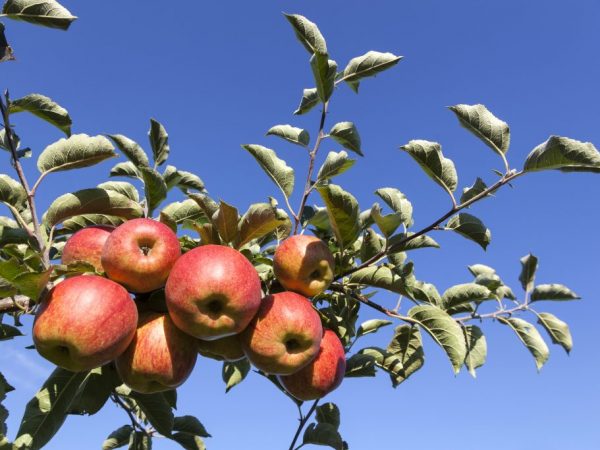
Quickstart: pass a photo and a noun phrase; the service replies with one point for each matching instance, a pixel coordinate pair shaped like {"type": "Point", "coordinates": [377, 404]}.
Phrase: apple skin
{"type": "Point", "coordinates": [304, 264]}
{"type": "Point", "coordinates": [160, 357]}
{"type": "Point", "coordinates": [285, 334]}
{"type": "Point", "coordinates": [225, 349]}
{"type": "Point", "coordinates": [86, 245]}
{"type": "Point", "coordinates": [322, 375]}
{"type": "Point", "coordinates": [213, 292]}
{"type": "Point", "coordinates": [140, 253]}
{"type": "Point", "coordinates": [84, 322]}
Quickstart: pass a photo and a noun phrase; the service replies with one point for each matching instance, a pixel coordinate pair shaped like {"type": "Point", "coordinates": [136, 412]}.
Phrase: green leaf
{"type": "Point", "coordinates": [324, 70]}
{"type": "Point", "coordinates": [189, 441]}
{"type": "Point", "coordinates": [47, 13]}
{"type": "Point", "coordinates": [388, 223]}
{"type": "Point", "coordinates": [323, 434]}
{"type": "Point", "coordinates": [131, 149]}
{"type": "Point", "coordinates": [329, 413]}
{"type": "Point", "coordinates": [398, 202]}
{"type": "Point", "coordinates": [552, 292]}
{"type": "Point", "coordinates": [159, 140]}
{"type": "Point", "coordinates": [529, 336]}
{"type": "Point", "coordinates": [476, 348]}
{"type": "Point", "coordinates": [346, 134]}
{"type": "Point", "coordinates": [368, 65]}
{"type": "Point", "coordinates": [32, 284]}
{"type": "Point", "coordinates": [208, 205]}
{"type": "Point", "coordinates": [381, 277]}
{"type": "Point", "coordinates": [226, 220]}
{"type": "Point", "coordinates": [155, 188]}
{"type": "Point", "coordinates": [563, 154]}
{"type": "Point", "coordinates": [157, 410]}
{"type": "Point", "coordinates": [482, 123]}
{"type": "Point", "coordinates": [557, 329]}
{"type": "Point", "coordinates": [188, 180]}
{"type": "Point", "coordinates": [405, 354]}
{"type": "Point", "coordinates": [187, 210]}
{"type": "Point", "coordinates": [444, 331]}
{"type": "Point", "coordinates": [307, 33]}
{"type": "Point", "coordinates": [360, 365]}
{"type": "Point", "coordinates": [140, 440]}
{"type": "Point", "coordinates": [8, 332]}
{"type": "Point", "coordinates": [122, 187]}
{"type": "Point", "coordinates": [464, 293]}
{"type": "Point", "coordinates": [125, 169]}
{"type": "Point", "coordinates": [95, 391]}
{"type": "Point", "coordinates": [44, 108]}
{"type": "Point", "coordinates": [118, 438]}
{"type": "Point", "coordinates": [399, 243]}
{"type": "Point", "coordinates": [529, 265]}
{"type": "Point", "coordinates": [371, 326]}
{"type": "Point", "coordinates": [190, 425]}
{"type": "Point", "coordinates": [291, 134]}
{"type": "Point", "coordinates": [275, 168]}
{"type": "Point", "coordinates": [335, 164]}
{"type": "Point", "coordinates": [481, 269]}
{"type": "Point", "coordinates": [310, 99]}
{"type": "Point", "coordinates": [46, 412]}
{"type": "Point", "coordinates": [10, 235]}
{"type": "Point", "coordinates": [79, 150]}
{"type": "Point", "coordinates": [470, 227]}
{"type": "Point", "coordinates": [234, 373]}
{"type": "Point", "coordinates": [490, 281]}
{"type": "Point", "coordinates": [429, 156]}
{"type": "Point", "coordinates": [426, 292]}
{"type": "Point", "coordinates": [372, 244]}
{"type": "Point", "coordinates": [91, 201]}
{"type": "Point", "coordinates": [78, 222]}
{"type": "Point", "coordinates": [11, 192]}
{"type": "Point", "coordinates": [342, 210]}
{"type": "Point", "coordinates": [469, 192]}
{"type": "Point", "coordinates": [260, 220]}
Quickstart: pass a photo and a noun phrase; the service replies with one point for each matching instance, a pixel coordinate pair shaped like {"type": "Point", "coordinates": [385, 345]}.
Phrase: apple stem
{"type": "Point", "coordinates": [303, 420]}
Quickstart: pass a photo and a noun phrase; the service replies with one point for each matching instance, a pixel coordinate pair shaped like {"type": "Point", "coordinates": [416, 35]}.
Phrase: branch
{"type": "Point", "coordinates": [15, 304]}
{"type": "Point", "coordinates": [302, 423]}
{"type": "Point", "coordinates": [135, 423]}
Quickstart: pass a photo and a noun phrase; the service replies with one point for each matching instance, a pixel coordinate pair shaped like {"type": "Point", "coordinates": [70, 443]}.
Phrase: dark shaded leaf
{"type": "Point", "coordinates": [563, 154]}
{"type": "Point", "coordinates": [234, 373]}
{"type": "Point", "coordinates": [530, 337]}
{"type": "Point", "coordinates": [494, 132]}
{"type": "Point", "coordinates": [159, 140]}
{"type": "Point", "coordinates": [429, 156]}
{"type": "Point", "coordinates": [529, 265]}
{"type": "Point", "coordinates": [323, 434]}
{"type": "Point", "coordinates": [291, 134]}
{"type": "Point", "coordinates": [226, 220]}
{"type": "Point", "coordinates": [131, 149]}
{"type": "Point", "coordinates": [310, 99]}
{"type": "Point", "coordinates": [557, 292]}
{"type": "Point", "coordinates": [346, 134]}
{"type": "Point", "coordinates": [557, 329]}
{"type": "Point", "coordinates": [476, 348]}
{"type": "Point", "coordinates": [118, 438]}
{"type": "Point", "coordinates": [275, 168]}
{"type": "Point", "coordinates": [469, 192]}
{"type": "Point", "coordinates": [470, 227]}
{"type": "Point", "coordinates": [307, 33]}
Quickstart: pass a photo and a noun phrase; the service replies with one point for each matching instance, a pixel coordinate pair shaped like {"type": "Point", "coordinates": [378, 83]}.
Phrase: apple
{"type": "Point", "coordinates": [285, 334]}
{"type": "Point", "coordinates": [86, 245]}
{"type": "Point", "coordinates": [322, 375]}
{"type": "Point", "coordinates": [225, 349]}
{"type": "Point", "coordinates": [84, 322]}
{"type": "Point", "coordinates": [140, 253]}
{"type": "Point", "coordinates": [160, 357]}
{"type": "Point", "coordinates": [212, 292]}
{"type": "Point", "coordinates": [304, 264]}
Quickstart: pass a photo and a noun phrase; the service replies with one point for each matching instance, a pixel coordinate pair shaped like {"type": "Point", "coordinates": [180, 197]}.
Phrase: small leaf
{"type": "Point", "coordinates": [557, 329]}
{"type": "Point", "coordinates": [226, 220]}
{"type": "Point", "coordinates": [563, 154]}
{"type": "Point", "coordinates": [398, 202]}
{"type": "Point", "coordinates": [464, 293]}
{"type": "Point", "coordinates": [78, 222]}
{"type": "Point", "coordinates": [530, 337]}
{"type": "Point", "coordinates": [307, 33]}
{"type": "Point", "coordinates": [8, 332]}
{"type": "Point", "coordinates": [47, 13]}
{"type": "Point", "coordinates": [371, 326]}
{"type": "Point", "coordinates": [372, 244]}
{"type": "Point", "coordinates": [470, 227]}
{"type": "Point", "coordinates": [368, 65]}
{"type": "Point", "coordinates": [382, 277]}
{"type": "Point", "coordinates": [360, 365]}
{"type": "Point", "coordinates": [125, 169]}
{"type": "Point", "coordinates": [157, 410]}
{"type": "Point", "coordinates": [155, 188]}
{"type": "Point", "coordinates": [275, 168]}
{"type": "Point", "coordinates": [342, 210]}
{"type": "Point", "coordinates": [469, 192]}
{"type": "Point", "coordinates": [557, 292]}
{"type": "Point", "coordinates": [159, 140]}
{"type": "Point", "coordinates": [118, 438]}
{"type": "Point", "coordinates": [388, 223]}
{"type": "Point", "coordinates": [291, 134]}
{"type": "Point", "coordinates": [324, 70]}
{"type": "Point", "coordinates": [190, 425]}
{"type": "Point", "coordinates": [122, 187]}
{"type": "Point", "coordinates": [208, 205]}
{"type": "Point", "coordinates": [494, 132]}
{"type": "Point", "coordinates": [180, 212]}
{"type": "Point", "coordinates": [11, 192]}
{"type": "Point", "coordinates": [234, 373]}
{"type": "Point", "coordinates": [310, 99]}
{"type": "Point", "coordinates": [323, 434]}
{"type": "Point", "coordinates": [481, 269]}
{"type": "Point", "coordinates": [260, 220]}
{"type": "Point", "coordinates": [405, 354]}
{"type": "Point", "coordinates": [399, 242]}
{"type": "Point", "coordinates": [529, 265]}
{"type": "Point", "coordinates": [346, 134]}
{"type": "Point", "coordinates": [429, 156]}
{"type": "Point", "coordinates": [476, 348]}
{"type": "Point", "coordinates": [188, 180]}
{"type": "Point", "coordinates": [335, 164]}
{"type": "Point", "coordinates": [131, 149]}
{"type": "Point", "coordinates": [44, 108]}
{"type": "Point", "coordinates": [329, 413]}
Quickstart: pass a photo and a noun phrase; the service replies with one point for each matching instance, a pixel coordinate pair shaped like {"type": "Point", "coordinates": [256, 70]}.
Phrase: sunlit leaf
{"type": "Point", "coordinates": [291, 134]}
{"type": "Point", "coordinates": [131, 149]}
{"type": "Point", "coordinates": [324, 70]}
{"type": "Point", "coordinates": [342, 210]}
{"type": "Point", "coordinates": [476, 348]}
{"type": "Point", "coordinates": [159, 140]}
{"type": "Point", "coordinates": [494, 132]}
{"type": "Point", "coordinates": [275, 168]}
{"type": "Point", "coordinates": [346, 134]}
{"type": "Point", "coordinates": [234, 373]}
{"type": "Point", "coordinates": [155, 188]}
{"type": "Point", "coordinates": [122, 187]}
{"type": "Point", "coordinates": [307, 33]}
{"type": "Point", "coordinates": [260, 220]}
{"type": "Point", "coordinates": [557, 330]}
{"type": "Point", "coordinates": [310, 99]}
{"type": "Point", "coordinates": [472, 191]}
{"type": "Point", "coordinates": [429, 156]}
{"type": "Point", "coordinates": [398, 202]}
{"type": "Point", "coordinates": [557, 292]}
{"type": "Point", "coordinates": [565, 154]}
{"type": "Point", "coordinates": [368, 65]}
{"type": "Point", "coordinates": [44, 108]}
{"type": "Point", "coordinates": [530, 337]}
{"type": "Point", "coordinates": [47, 13]}
{"type": "Point", "coordinates": [335, 164]}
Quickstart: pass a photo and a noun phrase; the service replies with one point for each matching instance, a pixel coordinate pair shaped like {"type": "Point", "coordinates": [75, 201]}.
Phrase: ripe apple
{"type": "Point", "coordinates": [84, 322]}
{"type": "Point", "coordinates": [139, 254]}
{"type": "Point", "coordinates": [285, 334]}
{"type": "Point", "coordinates": [86, 245]}
{"type": "Point", "coordinates": [225, 349]}
{"type": "Point", "coordinates": [304, 264]}
{"type": "Point", "coordinates": [212, 292]}
{"type": "Point", "coordinates": [322, 375]}
{"type": "Point", "coordinates": [159, 358]}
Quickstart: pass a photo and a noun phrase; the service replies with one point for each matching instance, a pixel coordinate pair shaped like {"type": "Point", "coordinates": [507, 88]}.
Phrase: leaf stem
{"type": "Point", "coordinates": [303, 420]}
{"type": "Point", "coordinates": [135, 423]}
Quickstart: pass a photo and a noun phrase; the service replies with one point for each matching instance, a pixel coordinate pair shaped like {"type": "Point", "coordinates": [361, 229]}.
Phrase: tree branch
{"type": "Point", "coordinates": [14, 304]}
{"type": "Point", "coordinates": [302, 423]}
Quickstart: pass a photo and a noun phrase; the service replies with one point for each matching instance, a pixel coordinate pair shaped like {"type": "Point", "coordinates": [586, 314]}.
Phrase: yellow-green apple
{"type": "Point", "coordinates": [140, 253]}
{"type": "Point", "coordinates": [285, 334]}
{"type": "Point", "coordinates": [225, 349]}
{"type": "Point", "coordinates": [322, 375]}
{"type": "Point", "coordinates": [159, 358]}
{"type": "Point", "coordinates": [212, 292]}
{"type": "Point", "coordinates": [86, 245]}
{"type": "Point", "coordinates": [84, 322]}
{"type": "Point", "coordinates": [304, 264]}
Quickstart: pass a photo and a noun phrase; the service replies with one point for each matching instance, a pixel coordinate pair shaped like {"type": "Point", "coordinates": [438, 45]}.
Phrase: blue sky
{"type": "Point", "coordinates": [219, 74]}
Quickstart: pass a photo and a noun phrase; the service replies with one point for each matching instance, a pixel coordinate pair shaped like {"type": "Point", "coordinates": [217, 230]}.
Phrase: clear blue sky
{"type": "Point", "coordinates": [219, 74]}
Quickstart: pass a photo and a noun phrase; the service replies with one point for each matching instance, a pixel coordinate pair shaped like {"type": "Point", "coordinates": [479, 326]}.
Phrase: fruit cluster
{"type": "Point", "coordinates": [213, 305]}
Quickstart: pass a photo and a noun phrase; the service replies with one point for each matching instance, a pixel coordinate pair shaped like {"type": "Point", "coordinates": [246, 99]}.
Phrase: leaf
{"type": "Point", "coordinates": [188, 180]}
{"type": "Point", "coordinates": [47, 13]}
{"type": "Point", "coordinates": [125, 169]}
{"type": "Point", "coordinates": [529, 265]}
{"type": "Point", "coordinates": [123, 188]}
{"type": "Point", "coordinates": [78, 222]}
{"type": "Point", "coordinates": [186, 210]}
{"type": "Point", "coordinates": [323, 434]}
{"type": "Point", "coordinates": [91, 201]}
{"type": "Point", "coordinates": [190, 425]}
{"type": "Point", "coordinates": [469, 192]}
{"type": "Point", "coordinates": [131, 149]}
{"type": "Point", "coordinates": [388, 223]}
{"type": "Point", "coordinates": [398, 202]}
{"type": "Point", "coordinates": [368, 65]}
{"type": "Point", "coordinates": [234, 373]}
{"type": "Point", "coordinates": [490, 281]}
{"type": "Point", "coordinates": [11, 192]}
{"type": "Point", "coordinates": [10, 235]}
{"type": "Point", "coordinates": [371, 326]}
{"type": "Point", "coordinates": [208, 205]}
{"type": "Point", "coordinates": [464, 293]}
{"type": "Point", "coordinates": [79, 150]}
{"type": "Point", "coordinates": [275, 168]}
{"type": "Point", "coordinates": [155, 188]}
{"type": "Point", "coordinates": [529, 336]}
{"type": "Point", "coordinates": [6, 54]}
{"type": "Point", "coordinates": [307, 33]}
{"type": "Point", "coordinates": [564, 154]}
{"type": "Point", "coordinates": [552, 292]}
{"type": "Point", "coordinates": [399, 242]}
{"type": "Point", "coordinates": [95, 391]}
{"type": "Point", "coordinates": [429, 156]}
{"type": "Point", "coordinates": [360, 365]}
{"type": "Point", "coordinates": [291, 134]}
{"type": "Point", "coordinates": [32, 284]}
{"type": "Point", "coordinates": [226, 220]}
{"type": "Point", "coordinates": [335, 164]}
{"type": "Point", "coordinates": [426, 292]}
{"type": "Point", "coordinates": [140, 440]}
{"type": "Point", "coordinates": [157, 410]}
{"type": "Point", "coordinates": [260, 220]}
{"type": "Point", "coordinates": [8, 332]}
{"type": "Point", "coordinates": [342, 210]}
{"type": "Point", "coordinates": [310, 99]}
{"type": "Point", "coordinates": [557, 329]}
{"type": "Point", "coordinates": [346, 134]}
{"type": "Point", "coordinates": [381, 277]}
{"type": "Point", "coordinates": [328, 413]}
{"type": "Point", "coordinates": [494, 132]}
{"type": "Point", "coordinates": [444, 331]}
{"type": "Point", "coordinates": [470, 227]}
{"type": "Point", "coordinates": [159, 140]}
{"type": "Point", "coordinates": [188, 441]}
{"type": "Point", "coordinates": [324, 70]}
{"type": "Point", "coordinates": [481, 269]}
{"type": "Point", "coordinates": [372, 244]}
{"type": "Point", "coordinates": [405, 354]}
{"type": "Point", "coordinates": [118, 438]}
{"type": "Point", "coordinates": [46, 412]}
{"type": "Point", "coordinates": [44, 108]}
{"type": "Point", "coordinates": [476, 348]}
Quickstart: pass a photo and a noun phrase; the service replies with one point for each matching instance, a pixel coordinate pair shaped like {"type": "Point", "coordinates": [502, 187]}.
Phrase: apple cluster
{"type": "Point", "coordinates": [213, 306]}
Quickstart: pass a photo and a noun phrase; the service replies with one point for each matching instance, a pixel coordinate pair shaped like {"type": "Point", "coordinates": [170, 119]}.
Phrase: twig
{"type": "Point", "coordinates": [303, 420]}
{"type": "Point", "coordinates": [14, 304]}
{"type": "Point", "coordinates": [135, 423]}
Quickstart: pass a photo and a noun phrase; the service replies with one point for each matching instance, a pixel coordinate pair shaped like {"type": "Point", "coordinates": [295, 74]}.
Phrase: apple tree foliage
{"type": "Point", "coordinates": [371, 245]}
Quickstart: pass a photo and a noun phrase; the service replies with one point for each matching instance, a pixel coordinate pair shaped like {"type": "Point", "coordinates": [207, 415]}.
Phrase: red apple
{"type": "Point", "coordinates": [86, 245]}
{"type": "Point", "coordinates": [285, 334]}
{"type": "Point", "coordinates": [140, 253]}
{"type": "Point", "coordinates": [304, 264]}
{"type": "Point", "coordinates": [225, 349]}
{"type": "Point", "coordinates": [159, 358]}
{"type": "Point", "coordinates": [322, 375]}
{"type": "Point", "coordinates": [212, 292]}
{"type": "Point", "coordinates": [84, 322]}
